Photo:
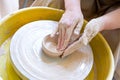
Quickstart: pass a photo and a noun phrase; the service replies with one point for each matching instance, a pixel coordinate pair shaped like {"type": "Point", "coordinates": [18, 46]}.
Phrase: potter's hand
{"type": "Point", "coordinates": [70, 21]}
{"type": "Point", "coordinates": [91, 30]}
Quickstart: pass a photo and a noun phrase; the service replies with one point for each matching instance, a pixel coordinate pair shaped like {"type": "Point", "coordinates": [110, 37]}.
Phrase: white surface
{"type": "Point", "coordinates": [1, 78]}
{"type": "Point", "coordinates": [2, 48]}
{"type": "Point", "coordinates": [7, 7]}
{"type": "Point", "coordinates": [49, 46]}
{"type": "Point", "coordinates": [29, 59]}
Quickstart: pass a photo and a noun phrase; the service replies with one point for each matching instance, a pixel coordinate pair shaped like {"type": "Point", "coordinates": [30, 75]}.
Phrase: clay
{"type": "Point", "coordinates": [31, 62]}
{"type": "Point", "coordinates": [49, 46]}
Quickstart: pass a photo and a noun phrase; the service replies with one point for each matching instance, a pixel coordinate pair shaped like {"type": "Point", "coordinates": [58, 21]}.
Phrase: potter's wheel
{"type": "Point", "coordinates": [30, 61]}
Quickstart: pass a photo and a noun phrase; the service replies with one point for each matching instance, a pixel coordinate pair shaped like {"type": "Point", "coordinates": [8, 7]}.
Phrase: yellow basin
{"type": "Point", "coordinates": [103, 67]}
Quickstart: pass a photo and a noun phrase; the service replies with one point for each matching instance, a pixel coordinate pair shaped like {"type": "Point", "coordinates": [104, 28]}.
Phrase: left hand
{"type": "Point", "coordinates": [91, 30]}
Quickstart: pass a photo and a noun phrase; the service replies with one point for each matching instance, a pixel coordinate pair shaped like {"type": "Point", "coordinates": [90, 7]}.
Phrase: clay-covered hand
{"type": "Point", "coordinates": [70, 22]}
{"type": "Point", "coordinates": [91, 30]}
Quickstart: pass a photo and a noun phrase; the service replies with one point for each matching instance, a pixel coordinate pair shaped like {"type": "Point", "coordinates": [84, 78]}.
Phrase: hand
{"type": "Point", "coordinates": [70, 22]}
{"type": "Point", "coordinates": [91, 30]}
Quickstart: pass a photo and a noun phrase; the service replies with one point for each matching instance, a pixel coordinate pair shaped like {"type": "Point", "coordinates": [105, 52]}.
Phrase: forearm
{"type": "Point", "coordinates": [111, 20]}
{"type": "Point", "coordinates": [7, 6]}
{"type": "Point", "coordinates": [72, 5]}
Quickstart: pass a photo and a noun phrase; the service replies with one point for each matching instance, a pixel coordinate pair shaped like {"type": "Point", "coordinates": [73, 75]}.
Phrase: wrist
{"type": "Point", "coordinates": [74, 11]}
{"type": "Point", "coordinates": [101, 23]}
{"type": "Point", "coordinates": [74, 8]}
{"type": "Point", "coordinates": [71, 5]}
{"type": "Point", "coordinates": [104, 22]}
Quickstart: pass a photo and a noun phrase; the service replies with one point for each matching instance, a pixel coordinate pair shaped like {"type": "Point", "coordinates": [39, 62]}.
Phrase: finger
{"type": "Point", "coordinates": [54, 32]}
{"type": "Point", "coordinates": [74, 38]}
{"type": "Point", "coordinates": [76, 34]}
{"type": "Point", "coordinates": [90, 32]}
{"type": "Point", "coordinates": [67, 38]}
{"type": "Point", "coordinates": [78, 28]}
{"type": "Point", "coordinates": [63, 37]}
{"type": "Point", "coordinates": [73, 47]}
{"type": "Point", "coordinates": [69, 33]}
{"type": "Point", "coordinates": [59, 39]}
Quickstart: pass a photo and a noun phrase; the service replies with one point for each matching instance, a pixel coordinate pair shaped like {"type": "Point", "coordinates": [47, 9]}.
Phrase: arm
{"type": "Point", "coordinates": [72, 5]}
{"type": "Point", "coordinates": [106, 22]}
{"type": "Point", "coordinates": [40, 3]}
{"type": "Point", "coordinates": [7, 6]}
{"type": "Point", "coordinates": [111, 20]}
{"type": "Point", "coordinates": [71, 20]}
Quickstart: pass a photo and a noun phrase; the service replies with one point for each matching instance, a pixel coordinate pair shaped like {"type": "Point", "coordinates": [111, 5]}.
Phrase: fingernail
{"type": "Point", "coordinates": [60, 49]}
{"type": "Point", "coordinates": [52, 35]}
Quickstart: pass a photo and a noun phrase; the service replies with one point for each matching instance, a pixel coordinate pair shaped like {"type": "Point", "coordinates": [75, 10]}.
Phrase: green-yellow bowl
{"type": "Point", "coordinates": [103, 67]}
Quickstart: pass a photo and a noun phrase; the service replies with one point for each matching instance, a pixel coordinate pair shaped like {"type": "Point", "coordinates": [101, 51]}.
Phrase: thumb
{"type": "Point", "coordinates": [73, 47]}
{"type": "Point", "coordinates": [78, 27]}
{"type": "Point", "coordinates": [91, 30]}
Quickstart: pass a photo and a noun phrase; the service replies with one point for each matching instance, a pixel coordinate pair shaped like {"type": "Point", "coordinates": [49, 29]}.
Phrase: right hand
{"type": "Point", "coordinates": [70, 22]}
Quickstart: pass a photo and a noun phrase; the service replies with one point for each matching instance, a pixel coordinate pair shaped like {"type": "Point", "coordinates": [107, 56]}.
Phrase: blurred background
{"type": "Point", "coordinates": [25, 3]}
